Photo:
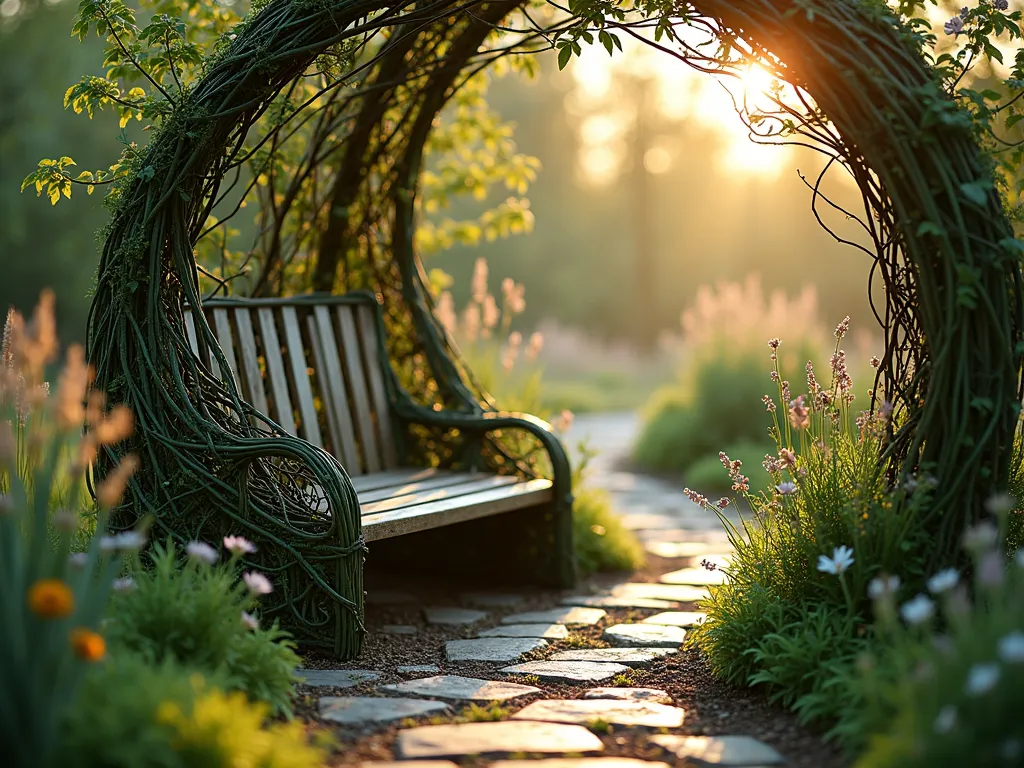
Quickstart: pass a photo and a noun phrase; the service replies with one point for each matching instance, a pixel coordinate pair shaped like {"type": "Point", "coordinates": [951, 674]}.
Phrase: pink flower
{"type": "Point", "coordinates": [239, 545]}
{"type": "Point", "coordinates": [250, 621]}
{"type": "Point", "coordinates": [257, 583]}
{"type": "Point", "coordinates": [799, 416]}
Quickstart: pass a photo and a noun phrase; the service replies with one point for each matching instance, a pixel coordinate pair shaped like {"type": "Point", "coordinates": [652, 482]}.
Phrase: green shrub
{"type": "Point", "coordinates": [198, 615]}
{"type": "Point", "coordinates": [717, 401]}
{"type": "Point", "coordinates": [131, 713]}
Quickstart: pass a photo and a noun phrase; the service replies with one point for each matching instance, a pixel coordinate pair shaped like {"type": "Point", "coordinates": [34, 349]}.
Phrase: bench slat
{"type": "Point", "coordinates": [190, 331]}
{"type": "Point", "coordinates": [250, 362]}
{"type": "Point", "coordinates": [477, 484]}
{"type": "Point", "coordinates": [394, 477]}
{"type": "Point", "coordinates": [334, 391]}
{"type": "Point", "coordinates": [366, 320]}
{"type": "Point", "coordinates": [300, 377]}
{"type": "Point", "coordinates": [357, 381]}
{"type": "Point", "coordinates": [275, 367]}
{"type": "Point", "coordinates": [435, 514]}
{"type": "Point", "coordinates": [444, 480]}
{"type": "Point", "coordinates": [223, 329]}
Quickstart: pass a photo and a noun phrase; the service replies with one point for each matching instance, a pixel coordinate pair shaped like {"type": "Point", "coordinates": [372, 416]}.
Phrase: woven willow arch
{"type": "Point", "coordinates": [952, 370]}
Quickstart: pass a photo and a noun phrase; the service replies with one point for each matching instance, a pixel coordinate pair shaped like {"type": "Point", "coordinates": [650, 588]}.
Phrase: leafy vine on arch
{"type": "Point", "coordinates": [366, 79]}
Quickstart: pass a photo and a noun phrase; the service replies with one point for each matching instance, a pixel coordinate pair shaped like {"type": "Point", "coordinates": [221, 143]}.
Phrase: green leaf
{"type": "Point", "coordinates": [976, 191]}
{"type": "Point", "coordinates": [930, 228]}
{"type": "Point", "coordinates": [564, 55]}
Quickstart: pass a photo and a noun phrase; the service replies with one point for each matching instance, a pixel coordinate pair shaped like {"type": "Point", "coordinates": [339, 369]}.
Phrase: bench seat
{"type": "Point", "coordinates": [411, 500]}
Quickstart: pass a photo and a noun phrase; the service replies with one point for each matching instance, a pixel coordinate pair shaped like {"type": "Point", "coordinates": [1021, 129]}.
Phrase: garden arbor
{"type": "Point", "coordinates": [211, 463]}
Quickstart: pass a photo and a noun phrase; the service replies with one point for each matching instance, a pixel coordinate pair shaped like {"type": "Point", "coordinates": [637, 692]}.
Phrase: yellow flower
{"type": "Point", "coordinates": [51, 599]}
{"type": "Point", "coordinates": [87, 644]}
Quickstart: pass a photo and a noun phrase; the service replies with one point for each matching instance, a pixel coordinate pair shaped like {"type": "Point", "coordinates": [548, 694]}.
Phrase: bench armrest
{"type": "Point", "coordinates": [483, 422]}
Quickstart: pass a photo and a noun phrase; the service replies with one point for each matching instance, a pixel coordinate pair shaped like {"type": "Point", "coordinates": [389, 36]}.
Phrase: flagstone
{"type": "Point", "coordinates": [354, 710]}
{"type": "Point", "coordinates": [446, 615]}
{"type": "Point", "coordinates": [633, 657]}
{"type": "Point", "coordinates": [568, 671]}
{"type": "Point", "coordinates": [335, 678]}
{"type": "Point", "coordinates": [614, 601]}
{"type": "Point", "coordinates": [545, 631]}
{"type": "Point", "coordinates": [695, 576]}
{"type": "Point", "coordinates": [573, 762]}
{"type": "Point", "coordinates": [419, 669]}
{"type": "Point", "coordinates": [655, 695]}
{"type": "Point", "coordinates": [492, 648]}
{"type": "Point", "coordinates": [684, 619]}
{"type": "Point", "coordinates": [725, 751]}
{"type": "Point", "coordinates": [644, 636]}
{"type": "Point", "coordinates": [676, 549]}
{"type": "Point", "coordinates": [568, 615]}
{"type": "Point", "coordinates": [462, 688]}
{"type": "Point", "coordinates": [643, 714]}
{"type": "Point", "coordinates": [678, 593]}
{"type": "Point", "coordinates": [508, 737]}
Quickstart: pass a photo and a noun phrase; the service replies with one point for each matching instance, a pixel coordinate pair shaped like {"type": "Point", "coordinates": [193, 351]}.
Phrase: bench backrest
{"type": "Point", "coordinates": [314, 367]}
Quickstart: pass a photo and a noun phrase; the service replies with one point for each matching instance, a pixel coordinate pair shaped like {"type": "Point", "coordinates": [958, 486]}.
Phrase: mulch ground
{"type": "Point", "coordinates": [712, 707]}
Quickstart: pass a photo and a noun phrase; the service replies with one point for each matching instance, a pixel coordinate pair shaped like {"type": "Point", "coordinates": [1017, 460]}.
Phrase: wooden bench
{"type": "Point", "coordinates": [318, 368]}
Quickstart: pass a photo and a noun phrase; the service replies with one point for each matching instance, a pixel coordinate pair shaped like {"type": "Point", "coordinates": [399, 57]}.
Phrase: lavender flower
{"type": "Point", "coordinates": [883, 586]}
{"type": "Point", "coordinates": [954, 26]}
{"type": "Point", "coordinates": [786, 489]}
{"type": "Point", "coordinates": [981, 679]}
{"type": "Point", "coordinates": [918, 610]}
{"type": "Point", "coordinates": [943, 581]}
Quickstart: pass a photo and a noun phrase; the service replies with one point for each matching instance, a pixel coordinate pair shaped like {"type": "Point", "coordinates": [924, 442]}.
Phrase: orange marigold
{"type": "Point", "coordinates": [88, 645]}
{"type": "Point", "coordinates": [51, 599]}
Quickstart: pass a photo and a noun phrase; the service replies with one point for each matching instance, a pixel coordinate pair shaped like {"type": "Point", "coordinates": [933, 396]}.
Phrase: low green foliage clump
{"type": "Point", "coordinates": [198, 614]}
{"type": "Point", "coordinates": [716, 403]}
{"type": "Point", "coordinates": [132, 713]}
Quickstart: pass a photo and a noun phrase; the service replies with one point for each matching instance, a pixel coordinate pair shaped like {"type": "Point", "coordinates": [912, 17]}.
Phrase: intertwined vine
{"type": "Point", "coordinates": [381, 72]}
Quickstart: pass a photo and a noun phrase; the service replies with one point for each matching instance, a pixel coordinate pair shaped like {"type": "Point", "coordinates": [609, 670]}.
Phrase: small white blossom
{"type": "Point", "coordinates": [1011, 647]}
{"type": "Point", "coordinates": [201, 552]}
{"type": "Point", "coordinates": [991, 568]}
{"type": "Point", "coordinates": [250, 621]}
{"type": "Point", "coordinates": [883, 586]}
{"type": "Point", "coordinates": [946, 719]}
{"type": "Point", "coordinates": [786, 489]}
{"type": "Point", "coordinates": [999, 504]}
{"type": "Point", "coordinates": [981, 679]}
{"type": "Point", "coordinates": [943, 581]}
{"type": "Point", "coordinates": [126, 584]}
{"type": "Point", "coordinates": [918, 610]}
{"type": "Point", "coordinates": [126, 541]}
{"type": "Point", "coordinates": [239, 545]}
{"type": "Point", "coordinates": [841, 560]}
{"type": "Point", "coordinates": [64, 520]}
{"type": "Point", "coordinates": [257, 583]}
{"type": "Point", "coordinates": [981, 537]}
{"type": "Point", "coordinates": [78, 559]}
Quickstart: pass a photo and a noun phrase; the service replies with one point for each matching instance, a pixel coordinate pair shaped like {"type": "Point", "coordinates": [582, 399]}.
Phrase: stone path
{"type": "Point", "coordinates": [558, 682]}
